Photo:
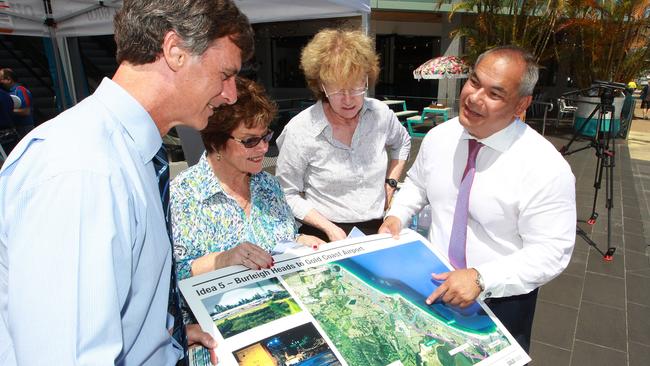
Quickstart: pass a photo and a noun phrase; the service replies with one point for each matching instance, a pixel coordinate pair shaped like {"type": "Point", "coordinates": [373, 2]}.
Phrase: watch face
{"type": "Point", "coordinates": [392, 182]}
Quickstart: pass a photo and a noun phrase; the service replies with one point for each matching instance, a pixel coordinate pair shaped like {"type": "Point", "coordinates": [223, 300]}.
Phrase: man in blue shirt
{"type": "Point", "coordinates": [23, 116]}
{"type": "Point", "coordinates": [85, 257]}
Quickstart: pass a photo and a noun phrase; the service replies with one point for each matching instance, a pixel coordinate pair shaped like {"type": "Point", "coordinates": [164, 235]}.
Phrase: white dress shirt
{"type": "Point", "coordinates": [522, 214]}
{"type": "Point", "coordinates": [85, 258]}
{"type": "Point", "coordinates": [343, 183]}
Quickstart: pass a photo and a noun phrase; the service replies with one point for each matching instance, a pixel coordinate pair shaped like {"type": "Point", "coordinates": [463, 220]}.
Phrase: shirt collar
{"type": "Point", "coordinates": [132, 116]}
{"type": "Point", "coordinates": [319, 120]}
{"type": "Point", "coordinates": [500, 140]}
{"type": "Point", "coordinates": [210, 185]}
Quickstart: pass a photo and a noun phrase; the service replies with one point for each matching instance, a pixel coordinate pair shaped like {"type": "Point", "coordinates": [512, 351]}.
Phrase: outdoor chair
{"type": "Point", "coordinates": [563, 110]}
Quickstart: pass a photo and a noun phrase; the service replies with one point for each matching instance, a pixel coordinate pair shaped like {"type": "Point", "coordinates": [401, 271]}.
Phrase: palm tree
{"type": "Point", "coordinates": [600, 40]}
{"type": "Point", "coordinates": [607, 40]}
{"type": "Point", "coordinates": [530, 24]}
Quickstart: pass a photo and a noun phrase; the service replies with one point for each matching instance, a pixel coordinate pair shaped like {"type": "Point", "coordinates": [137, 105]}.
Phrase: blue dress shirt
{"type": "Point", "coordinates": [84, 253]}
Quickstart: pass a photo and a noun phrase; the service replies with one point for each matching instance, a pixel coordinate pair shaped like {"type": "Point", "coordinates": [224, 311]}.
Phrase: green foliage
{"type": "Point", "coordinates": [527, 23]}
{"type": "Point", "coordinates": [600, 40]}
{"type": "Point", "coordinates": [262, 314]}
{"type": "Point", "coordinates": [606, 40]}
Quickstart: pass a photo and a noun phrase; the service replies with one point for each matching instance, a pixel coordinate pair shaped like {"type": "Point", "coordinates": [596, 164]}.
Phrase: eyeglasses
{"type": "Point", "coordinates": [251, 142]}
{"type": "Point", "coordinates": [349, 92]}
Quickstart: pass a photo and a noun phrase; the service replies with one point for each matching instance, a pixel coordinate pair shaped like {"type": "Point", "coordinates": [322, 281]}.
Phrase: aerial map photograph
{"type": "Point", "coordinates": [372, 308]}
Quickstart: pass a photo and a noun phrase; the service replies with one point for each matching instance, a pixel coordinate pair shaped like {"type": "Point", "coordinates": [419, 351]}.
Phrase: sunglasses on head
{"type": "Point", "coordinates": [254, 141]}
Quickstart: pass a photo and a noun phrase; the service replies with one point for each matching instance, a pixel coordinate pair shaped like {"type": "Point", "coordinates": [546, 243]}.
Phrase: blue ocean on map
{"type": "Point", "coordinates": [406, 269]}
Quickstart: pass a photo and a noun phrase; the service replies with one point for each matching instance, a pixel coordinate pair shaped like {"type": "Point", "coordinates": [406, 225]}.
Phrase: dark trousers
{"type": "Point", "coordinates": [367, 227]}
{"type": "Point", "coordinates": [516, 313]}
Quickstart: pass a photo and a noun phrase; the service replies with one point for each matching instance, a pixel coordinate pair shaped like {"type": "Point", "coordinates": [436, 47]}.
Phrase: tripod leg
{"type": "Point", "coordinates": [609, 159]}
{"type": "Point", "coordinates": [597, 181]}
{"type": "Point", "coordinates": [599, 170]}
{"type": "Point", "coordinates": [564, 150]}
{"type": "Point", "coordinates": [581, 233]}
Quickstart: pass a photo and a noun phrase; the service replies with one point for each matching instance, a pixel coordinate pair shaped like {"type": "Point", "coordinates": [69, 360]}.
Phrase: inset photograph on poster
{"type": "Point", "coordinates": [302, 345]}
{"type": "Point", "coordinates": [250, 306]}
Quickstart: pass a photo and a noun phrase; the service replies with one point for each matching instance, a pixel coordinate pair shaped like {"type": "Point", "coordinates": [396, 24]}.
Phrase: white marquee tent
{"type": "Point", "coordinates": [68, 18]}
{"type": "Point", "coordinates": [93, 17]}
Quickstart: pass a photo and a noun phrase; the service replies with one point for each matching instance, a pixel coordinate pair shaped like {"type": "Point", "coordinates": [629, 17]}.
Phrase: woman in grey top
{"type": "Point", "coordinates": [340, 158]}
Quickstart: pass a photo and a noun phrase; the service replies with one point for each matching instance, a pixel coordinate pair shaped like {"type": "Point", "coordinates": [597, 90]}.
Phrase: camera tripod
{"type": "Point", "coordinates": [605, 150]}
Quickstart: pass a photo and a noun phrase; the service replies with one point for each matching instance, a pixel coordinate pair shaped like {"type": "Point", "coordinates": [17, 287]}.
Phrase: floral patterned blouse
{"type": "Point", "coordinates": [206, 219]}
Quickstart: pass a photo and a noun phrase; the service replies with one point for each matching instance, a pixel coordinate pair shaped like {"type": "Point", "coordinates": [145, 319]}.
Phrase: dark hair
{"type": "Point", "coordinates": [252, 109]}
{"type": "Point", "coordinates": [141, 25]}
{"type": "Point", "coordinates": [9, 73]}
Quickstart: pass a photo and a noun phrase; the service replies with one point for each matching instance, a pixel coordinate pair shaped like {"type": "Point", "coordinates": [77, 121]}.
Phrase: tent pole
{"type": "Point", "coordinates": [59, 69]}
{"type": "Point", "coordinates": [365, 23]}
{"type": "Point", "coordinates": [51, 24]}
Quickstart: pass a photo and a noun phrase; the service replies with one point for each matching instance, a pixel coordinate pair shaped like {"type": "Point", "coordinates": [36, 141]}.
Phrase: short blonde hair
{"type": "Point", "coordinates": [338, 57]}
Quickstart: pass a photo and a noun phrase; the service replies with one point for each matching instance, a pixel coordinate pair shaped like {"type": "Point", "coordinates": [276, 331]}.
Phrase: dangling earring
{"type": "Point", "coordinates": [218, 156]}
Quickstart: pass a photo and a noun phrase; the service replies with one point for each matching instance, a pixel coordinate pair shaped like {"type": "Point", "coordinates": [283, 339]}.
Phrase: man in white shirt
{"type": "Point", "coordinates": [85, 256]}
{"type": "Point", "coordinates": [519, 221]}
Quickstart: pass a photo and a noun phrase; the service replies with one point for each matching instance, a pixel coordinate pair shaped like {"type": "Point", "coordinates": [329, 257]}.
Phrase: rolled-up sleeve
{"type": "Point", "coordinates": [398, 141]}
{"type": "Point", "coordinates": [291, 167]}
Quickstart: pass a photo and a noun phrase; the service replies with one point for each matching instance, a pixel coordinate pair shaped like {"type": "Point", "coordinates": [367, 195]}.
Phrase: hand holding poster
{"type": "Point", "coordinates": [353, 302]}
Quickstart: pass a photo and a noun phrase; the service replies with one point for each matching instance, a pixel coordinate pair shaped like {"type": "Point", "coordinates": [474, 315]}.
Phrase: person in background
{"type": "Point", "coordinates": [7, 131]}
{"type": "Point", "coordinates": [517, 228]}
{"type": "Point", "coordinates": [340, 159]}
{"type": "Point", "coordinates": [85, 255]}
{"type": "Point", "coordinates": [645, 100]}
{"type": "Point", "coordinates": [631, 87]}
{"type": "Point", "coordinates": [225, 210]}
{"type": "Point", "coordinates": [23, 116]}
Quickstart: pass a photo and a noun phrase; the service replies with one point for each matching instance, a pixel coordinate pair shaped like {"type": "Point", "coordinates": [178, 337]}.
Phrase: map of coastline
{"type": "Point", "coordinates": [372, 307]}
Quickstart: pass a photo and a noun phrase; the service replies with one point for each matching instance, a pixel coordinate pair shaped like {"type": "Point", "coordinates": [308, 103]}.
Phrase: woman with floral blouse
{"type": "Point", "coordinates": [225, 210]}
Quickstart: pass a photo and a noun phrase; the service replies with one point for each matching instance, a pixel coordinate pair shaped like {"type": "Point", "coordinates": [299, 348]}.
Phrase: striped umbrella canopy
{"type": "Point", "coordinates": [443, 67]}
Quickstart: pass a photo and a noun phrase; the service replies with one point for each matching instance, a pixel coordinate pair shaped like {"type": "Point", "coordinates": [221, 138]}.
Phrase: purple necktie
{"type": "Point", "coordinates": [458, 237]}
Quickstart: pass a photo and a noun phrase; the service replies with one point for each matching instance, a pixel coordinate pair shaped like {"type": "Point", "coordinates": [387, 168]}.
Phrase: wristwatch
{"type": "Point", "coordinates": [479, 280]}
{"type": "Point", "coordinates": [391, 182]}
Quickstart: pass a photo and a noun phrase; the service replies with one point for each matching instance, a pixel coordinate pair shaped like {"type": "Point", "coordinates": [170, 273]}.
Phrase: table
{"type": "Point", "coordinates": [404, 112]}
{"type": "Point", "coordinates": [415, 120]}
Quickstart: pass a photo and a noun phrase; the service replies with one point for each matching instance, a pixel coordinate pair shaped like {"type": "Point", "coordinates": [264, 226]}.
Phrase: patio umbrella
{"type": "Point", "coordinates": [443, 67]}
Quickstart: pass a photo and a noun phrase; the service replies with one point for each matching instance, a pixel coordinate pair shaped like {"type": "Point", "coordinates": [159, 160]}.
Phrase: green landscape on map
{"type": "Point", "coordinates": [279, 306]}
{"type": "Point", "coordinates": [372, 328]}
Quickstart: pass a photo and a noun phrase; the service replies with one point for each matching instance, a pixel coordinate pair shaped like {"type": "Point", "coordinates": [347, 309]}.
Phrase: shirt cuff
{"type": "Point", "coordinates": [401, 154]}
{"type": "Point", "coordinates": [493, 280]}
{"type": "Point", "coordinates": [178, 349]}
{"type": "Point", "coordinates": [301, 208]}
{"type": "Point", "coordinates": [401, 213]}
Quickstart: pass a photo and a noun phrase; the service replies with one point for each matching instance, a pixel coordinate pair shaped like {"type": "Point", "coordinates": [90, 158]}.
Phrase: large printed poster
{"type": "Point", "coordinates": [354, 302]}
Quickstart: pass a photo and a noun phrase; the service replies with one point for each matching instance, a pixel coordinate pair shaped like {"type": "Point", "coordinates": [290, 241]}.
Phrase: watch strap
{"type": "Point", "coordinates": [479, 281]}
